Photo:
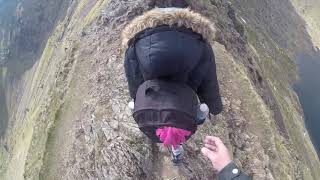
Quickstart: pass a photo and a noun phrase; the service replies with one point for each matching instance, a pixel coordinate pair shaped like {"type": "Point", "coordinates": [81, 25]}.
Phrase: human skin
{"type": "Point", "coordinates": [217, 152]}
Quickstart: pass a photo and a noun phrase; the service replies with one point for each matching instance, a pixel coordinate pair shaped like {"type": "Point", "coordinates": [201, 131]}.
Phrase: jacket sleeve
{"type": "Point", "coordinates": [132, 70]}
{"type": "Point", "coordinates": [232, 172]}
{"type": "Point", "coordinates": [208, 90]}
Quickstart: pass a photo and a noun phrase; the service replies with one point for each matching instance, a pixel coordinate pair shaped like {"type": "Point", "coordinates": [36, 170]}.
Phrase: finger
{"type": "Point", "coordinates": [213, 140]}
{"type": "Point", "coordinates": [208, 141]}
{"type": "Point", "coordinates": [211, 147]}
{"type": "Point", "coordinates": [208, 153]}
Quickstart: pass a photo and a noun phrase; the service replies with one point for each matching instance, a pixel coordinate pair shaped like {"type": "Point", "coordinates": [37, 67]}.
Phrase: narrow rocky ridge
{"type": "Point", "coordinates": [78, 125]}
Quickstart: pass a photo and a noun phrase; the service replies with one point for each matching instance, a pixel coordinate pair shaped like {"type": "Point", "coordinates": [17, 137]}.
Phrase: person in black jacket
{"type": "Point", "coordinates": [170, 47]}
{"type": "Point", "coordinates": [168, 55]}
{"type": "Point", "coordinates": [172, 44]}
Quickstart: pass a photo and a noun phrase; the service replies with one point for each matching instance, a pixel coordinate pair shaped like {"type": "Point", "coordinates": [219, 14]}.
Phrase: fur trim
{"type": "Point", "coordinates": [180, 17]}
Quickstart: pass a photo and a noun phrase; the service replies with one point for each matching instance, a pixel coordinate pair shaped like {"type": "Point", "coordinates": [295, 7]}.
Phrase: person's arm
{"type": "Point", "coordinates": [218, 153]}
{"type": "Point", "coordinates": [132, 70]}
{"type": "Point", "coordinates": [232, 172]}
{"type": "Point", "coordinates": [208, 90]}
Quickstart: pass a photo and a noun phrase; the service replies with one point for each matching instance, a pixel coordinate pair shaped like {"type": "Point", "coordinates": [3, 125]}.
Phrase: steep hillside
{"type": "Point", "coordinates": [310, 12]}
{"type": "Point", "coordinates": [67, 109]}
{"type": "Point", "coordinates": [6, 14]}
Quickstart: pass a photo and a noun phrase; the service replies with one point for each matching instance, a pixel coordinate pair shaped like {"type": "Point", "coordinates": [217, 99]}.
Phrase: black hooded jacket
{"type": "Point", "coordinates": [173, 53]}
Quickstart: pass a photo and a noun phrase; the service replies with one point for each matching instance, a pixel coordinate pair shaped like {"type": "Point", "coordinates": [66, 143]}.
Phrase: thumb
{"type": "Point", "coordinates": [208, 153]}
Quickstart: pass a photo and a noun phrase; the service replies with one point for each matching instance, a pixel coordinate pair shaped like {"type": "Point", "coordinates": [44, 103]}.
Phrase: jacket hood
{"type": "Point", "coordinates": [169, 16]}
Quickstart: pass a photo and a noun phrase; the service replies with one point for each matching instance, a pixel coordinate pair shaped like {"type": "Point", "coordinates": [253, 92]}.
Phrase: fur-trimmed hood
{"type": "Point", "coordinates": [169, 16]}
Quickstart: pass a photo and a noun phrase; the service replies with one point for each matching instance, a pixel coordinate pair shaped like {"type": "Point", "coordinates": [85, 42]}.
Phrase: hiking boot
{"type": "Point", "coordinates": [177, 159]}
{"type": "Point", "coordinates": [176, 155]}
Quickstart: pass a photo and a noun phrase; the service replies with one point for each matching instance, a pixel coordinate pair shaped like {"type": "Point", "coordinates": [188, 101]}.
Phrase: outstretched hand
{"type": "Point", "coordinates": [217, 152]}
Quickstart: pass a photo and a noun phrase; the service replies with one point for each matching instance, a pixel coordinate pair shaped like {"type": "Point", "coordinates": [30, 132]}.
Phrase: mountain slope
{"type": "Point", "coordinates": [309, 11]}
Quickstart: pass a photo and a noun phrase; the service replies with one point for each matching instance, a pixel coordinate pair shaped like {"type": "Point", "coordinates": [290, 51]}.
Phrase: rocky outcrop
{"type": "Point", "coordinates": [72, 121]}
